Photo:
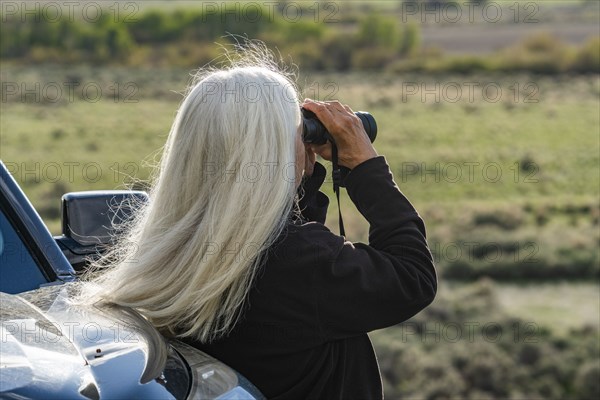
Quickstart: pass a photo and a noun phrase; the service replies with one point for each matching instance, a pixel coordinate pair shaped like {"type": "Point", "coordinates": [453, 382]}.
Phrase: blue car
{"type": "Point", "coordinates": [51, 349]}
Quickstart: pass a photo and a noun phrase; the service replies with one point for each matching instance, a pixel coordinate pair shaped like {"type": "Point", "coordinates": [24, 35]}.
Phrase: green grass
{"type": "Point", "coordinates": [81, 146]}
{"type": "Point", "coordinates": [554, 142]}
{"type": "Point", "coordinates": [561, 306]}
{"type": "Point", "coordinates": [558, 135]}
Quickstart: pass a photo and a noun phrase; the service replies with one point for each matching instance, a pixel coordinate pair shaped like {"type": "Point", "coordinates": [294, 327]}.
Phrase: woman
{"type": "Point", "coordinates": [228, 258]}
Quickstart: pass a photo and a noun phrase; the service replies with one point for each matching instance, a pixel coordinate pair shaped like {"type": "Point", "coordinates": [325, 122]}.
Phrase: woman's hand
{"type": "Point", "coordinates": [354, 146]}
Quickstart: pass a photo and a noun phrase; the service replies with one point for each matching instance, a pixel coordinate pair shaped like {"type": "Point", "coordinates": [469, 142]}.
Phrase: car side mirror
{"type": "Point", "coordinates": [88, 217]}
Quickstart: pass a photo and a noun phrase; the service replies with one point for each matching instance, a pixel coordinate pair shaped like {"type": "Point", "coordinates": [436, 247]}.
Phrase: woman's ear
{"type": "Point", "coordinates": [309, 160]}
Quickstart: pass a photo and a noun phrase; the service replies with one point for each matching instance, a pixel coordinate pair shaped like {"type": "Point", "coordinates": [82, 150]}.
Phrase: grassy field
{"type": "Point", "coordinates": [523, 139]}
{"type": "Point", "coordinates": [512, 159]}
{"type": "Point", "coordinates": [504, 158]}
{"type": "Point", "coordinates": [490, 341]}
{"type": "Point", "coordinates": [574, 305]}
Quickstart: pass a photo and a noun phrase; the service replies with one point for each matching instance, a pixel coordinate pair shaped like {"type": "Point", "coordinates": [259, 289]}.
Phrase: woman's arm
{"type": "Point", "coordinates": [365, 287]}
{"type": "Point", "coordinates": [368, 287]}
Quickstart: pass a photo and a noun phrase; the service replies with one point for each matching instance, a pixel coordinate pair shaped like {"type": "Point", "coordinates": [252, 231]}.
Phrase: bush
{"type": "Point", "coordinates": [508, 219]}
{"type": "Point", "coordinates": [587, 381]}
{"type": "Point", "coordinates": [361, 40]}
{"type": "Point", "coordinates": [538, 366]}
{"type": "Point", "coordinates": [410, 41]}
{"type": "Point", "coordinates": [588, 57]}
{"type": "Point", "coordinates": [540, 53]}
{"type": "Point", "coordinates": [337, 51]}
{"type": "Point", "coordinates": [152, 27]}
{"type": "Point", "coordinates": [378, 31]}
{"type": "Point", "coordinates": [371, 58]}
{"type": "Point", "coordinates": [463, 65]}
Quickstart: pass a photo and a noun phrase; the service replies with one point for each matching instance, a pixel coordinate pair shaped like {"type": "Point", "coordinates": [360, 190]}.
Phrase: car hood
{"type": "Point", "coordinates": [51, 347]}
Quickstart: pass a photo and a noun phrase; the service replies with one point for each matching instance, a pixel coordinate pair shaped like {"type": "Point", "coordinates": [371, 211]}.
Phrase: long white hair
{"type": "Point", "coordinates": [222, 194]}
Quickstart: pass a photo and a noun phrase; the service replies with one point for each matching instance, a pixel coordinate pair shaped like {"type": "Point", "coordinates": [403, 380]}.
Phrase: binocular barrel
{"type": "Point", "coordinates": [313, 131]}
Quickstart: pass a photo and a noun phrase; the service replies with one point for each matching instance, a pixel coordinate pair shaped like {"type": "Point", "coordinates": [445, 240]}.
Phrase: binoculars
{"type": "Point", "coordinates": [313, 131]}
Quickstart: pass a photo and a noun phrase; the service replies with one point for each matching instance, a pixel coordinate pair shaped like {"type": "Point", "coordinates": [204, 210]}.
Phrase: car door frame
{"type": "Point", "coordinates": [33, 232]}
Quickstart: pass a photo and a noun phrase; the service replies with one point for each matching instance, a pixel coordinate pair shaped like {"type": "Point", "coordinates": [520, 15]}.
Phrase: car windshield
{"type": "Point", "coordinates": [19, 271]}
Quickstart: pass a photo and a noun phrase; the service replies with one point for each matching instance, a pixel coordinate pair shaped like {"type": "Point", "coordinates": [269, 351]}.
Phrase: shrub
{"type": "Point", "coordinates": [361, 40]}
{"type": "Point", "coordinates": [463, 65]}
{"type": "Point", "coordinates": [410, 40]}
{"type": "Point", "coordinates": [337, 51]}
{"type": "Point", "coordinates": [378, 31]}
{"type": "Point", "coordinates": [502, 218]}
{"type": "Point", "coordinates": [151, 27]}
{"type": "Point", "coordinates": [539, 53]}
{"type": "Point", "coordinates": [537, 366]}
{"type": "Point", "coordinates": [588, 57]}
{"type": "Point", "coordinates": [587, 381]}
{"type": "Point", "coordinates": [371, 58]}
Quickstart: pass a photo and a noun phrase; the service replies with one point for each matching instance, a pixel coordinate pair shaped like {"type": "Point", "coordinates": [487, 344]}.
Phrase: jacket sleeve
{"type": "Point", "coordinates": [367, 287]}
{"type": "Point", "coordinates": [313, 203]}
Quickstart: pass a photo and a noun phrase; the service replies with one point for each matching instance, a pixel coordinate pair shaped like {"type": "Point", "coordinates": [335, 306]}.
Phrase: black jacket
{"type": "Point", "coordinates": [303, 334]}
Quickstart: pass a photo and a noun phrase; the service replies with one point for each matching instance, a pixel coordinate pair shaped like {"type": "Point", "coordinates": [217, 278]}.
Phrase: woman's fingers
{"type": "Point", "coordinates": [323, 111]}
{"type": "Point", "coordinates": [324, 150]}
{"type": "Point", "coordinates": [335, 117]}
{"type": "Point", "coordinates": [347, 130]}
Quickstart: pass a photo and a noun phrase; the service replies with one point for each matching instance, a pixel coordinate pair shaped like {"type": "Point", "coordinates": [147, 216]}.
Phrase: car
{"type": "Point", "coordinates": [53, 348]}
